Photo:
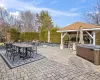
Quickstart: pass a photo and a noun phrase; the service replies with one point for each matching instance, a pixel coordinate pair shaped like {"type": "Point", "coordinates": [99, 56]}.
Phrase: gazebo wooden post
{"type": "Point", "coordinates": [94, 37]}
{"type": "Point", "coordinates": [90, 40]}
{"type": "Point", "coordinates": [63, 34]}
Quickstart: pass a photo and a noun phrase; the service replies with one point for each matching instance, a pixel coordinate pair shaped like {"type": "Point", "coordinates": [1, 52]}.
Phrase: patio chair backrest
{"type": "Point", "coordinates": [34, 46]}
{"type": "Point", "coordinates": [33, 43]}
{"type": "Point", "coordinates": [8, 45]}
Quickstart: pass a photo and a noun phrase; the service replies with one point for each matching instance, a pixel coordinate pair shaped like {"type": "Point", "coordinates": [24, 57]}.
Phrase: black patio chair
{"type": "Point", "coordinates": [33, 50]}
{"type": "Point", "coordinates": [35, 47]}
{"type": "Point", "coordinates": [30, 52]}
{"type": "Point", "coordinates": [8, 48]}
{"type": "Point", "coordinates": [14, 53]}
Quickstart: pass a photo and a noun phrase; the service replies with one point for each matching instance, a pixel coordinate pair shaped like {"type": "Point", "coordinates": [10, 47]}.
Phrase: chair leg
{"type": "Point", "coordinates": [10, 56]}
{"type": "Point", "coordinates": [6, 54]}
{"type": "Point", "coordinates": [13, 58]}
{"type": "Point", "coordinates": [31, 54]}
{"type": "Point", "coordinates": [35, 53]}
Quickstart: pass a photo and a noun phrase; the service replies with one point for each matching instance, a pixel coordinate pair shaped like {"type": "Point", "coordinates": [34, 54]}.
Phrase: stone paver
{"type": "Point", "coordinates": [59, 65]}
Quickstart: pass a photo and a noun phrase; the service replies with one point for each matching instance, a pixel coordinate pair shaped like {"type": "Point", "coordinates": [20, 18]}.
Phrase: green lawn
{"type": "Point", "coordinates": [1, 44]}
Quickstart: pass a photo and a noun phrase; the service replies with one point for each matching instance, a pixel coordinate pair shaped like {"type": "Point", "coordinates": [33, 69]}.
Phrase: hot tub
{"type": "Point", "coordinates": [89, 52]}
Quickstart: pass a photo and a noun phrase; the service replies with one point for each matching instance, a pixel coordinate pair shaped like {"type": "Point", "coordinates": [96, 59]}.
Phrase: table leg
{"type": "Point", "coordinates": [26, 54]}
{"type": "Point", "coordinates": [19, 50]}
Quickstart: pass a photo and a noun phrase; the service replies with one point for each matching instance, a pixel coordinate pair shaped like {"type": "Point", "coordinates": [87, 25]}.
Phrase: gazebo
{"type": "Point", "coordinates": [72, 30]}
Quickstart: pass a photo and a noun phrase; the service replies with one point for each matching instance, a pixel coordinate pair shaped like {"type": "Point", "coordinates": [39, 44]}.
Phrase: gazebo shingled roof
{"type": "Point", "coordinates": [76, 25]}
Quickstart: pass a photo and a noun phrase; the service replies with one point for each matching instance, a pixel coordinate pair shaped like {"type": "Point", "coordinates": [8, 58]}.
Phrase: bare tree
{"type": "Point", "coordinates": [3, 21]}
{"type": "Point", "coordinates": [93, 16]}
{"type": "Point", "coordinates": [6, 21]}
{"type": "Point", "coordinates": [14, 22]}
{"type": "Point", "coordinates": [3, 15]}
{"type": "Point", "coordinates": [28, 20]}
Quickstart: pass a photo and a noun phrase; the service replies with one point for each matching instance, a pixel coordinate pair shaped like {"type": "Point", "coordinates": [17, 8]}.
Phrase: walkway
{"type": "Point", "coordinates": [59, 65]}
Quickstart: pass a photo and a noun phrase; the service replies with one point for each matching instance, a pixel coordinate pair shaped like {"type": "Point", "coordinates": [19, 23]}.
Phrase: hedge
{"type": "Point", "coordinates": [29, 36]}
{"type": "Point", "coordinates": [43, 35]}
{"type": "Point", "coordinates": [55, 36]}
{"type": "Point", "coordinates": [14, 34]}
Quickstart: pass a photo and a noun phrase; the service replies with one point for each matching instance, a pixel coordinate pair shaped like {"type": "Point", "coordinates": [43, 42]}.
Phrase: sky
{"type": "Point", "coordinates": [63, 12]}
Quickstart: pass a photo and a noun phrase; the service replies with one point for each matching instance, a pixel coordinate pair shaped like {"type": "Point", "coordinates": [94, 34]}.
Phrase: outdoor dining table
{"type": "Point", "coordinates": [24, 46]}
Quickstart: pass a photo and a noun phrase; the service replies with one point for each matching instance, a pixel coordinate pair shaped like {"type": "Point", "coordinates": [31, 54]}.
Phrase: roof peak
{"type": "Point", "coordinates": [78, 22]}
